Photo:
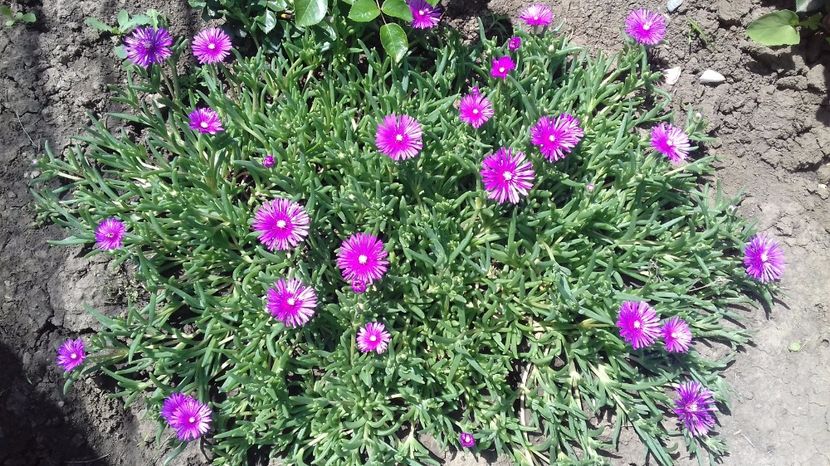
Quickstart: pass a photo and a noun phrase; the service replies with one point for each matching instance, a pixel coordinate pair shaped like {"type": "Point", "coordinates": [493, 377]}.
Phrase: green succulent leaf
{"type": "Point", "coordinates": [364, 11]}
{"type": "Point", "coordinates": [310, 12]}
{"type": "Point", "coordinates": [776, 28]}
{"type": "Point", "coordinates": [397, 9]}
{"type": "Point", "coordinates": [393, 39]}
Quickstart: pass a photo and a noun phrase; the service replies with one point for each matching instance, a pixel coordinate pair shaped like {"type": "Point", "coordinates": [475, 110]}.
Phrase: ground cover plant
{"type": "Point", "coordinates": [506, 246]}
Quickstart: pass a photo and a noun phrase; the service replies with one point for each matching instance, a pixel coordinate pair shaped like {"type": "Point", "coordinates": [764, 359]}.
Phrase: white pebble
{"type": "Point", "coordinates": [672, 5]}
{"type": "Point", "coordinates": [711, 76]}
{"type": "Point", "coordinates": [672, 75]}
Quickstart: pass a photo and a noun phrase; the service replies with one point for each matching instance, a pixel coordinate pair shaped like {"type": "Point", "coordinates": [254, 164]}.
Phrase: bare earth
{"type": "Point", "coordinates": [770, 116]}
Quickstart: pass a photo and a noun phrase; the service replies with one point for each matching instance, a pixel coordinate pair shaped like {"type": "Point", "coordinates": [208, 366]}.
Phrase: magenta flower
{"type": "Point", "coordinates": [171, 404]}
{"type": "Point", "coordinates": [676, 335]}
{"type": "Point", "coordinates": [502, 66]}
{"type": "Point", "coordinates": [71, 354]}
{"type": "Point", "coordinates": [515, 43]}
{"type": "Point", "coordinates": [211, 45]}
{"type": "Point", "coordinates": [537, 15]}
{"type": "Point", "coordinates": [467, 440]}
{"type": "Point", "coordinates": [506, 175]}
{"type": "Point", "coordinates": [281, 224]}
{"type": "Point", "coordinates": [763, 259]}
{"type": "Point", "coordinates": [399, 137]}
{"type": "Point", "coordinates": [362, 257]}
{"type": "Point", "coordinates": [358, 286]}
{"type": "Point", "coordinates": [268, 161]}
{"type": "Point", "coordinates": [638, 324]}
{"type": "Point", "coordinates": [646, 27]}
{"type": "Point", "coordinates": [670, 141]}
{"type": "Point", "coordinates": [475, 109]}
{"type": "Point", "coordinates": [110, 234]}
{"type": "Point", "coordinates": [191, 419]}
{"type": "Point", "coordinates": [291, 302]}
{"type": "Point", "coordinates": [556, 137]}
{"type": "Point", "coordinates": [373, 337]}
{"type": "Point", "coordinates": [205, 121]}
{"type": "Point", "coordinates": [694, 407]}
{"type": "Point", "coordinates": [147, 46]}
{"type": "Point", "coordinates": [424, 15]}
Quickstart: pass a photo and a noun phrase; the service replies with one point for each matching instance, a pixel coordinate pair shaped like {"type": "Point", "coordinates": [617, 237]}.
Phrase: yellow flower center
{"type": "Point", "coordinates": [362, 259]}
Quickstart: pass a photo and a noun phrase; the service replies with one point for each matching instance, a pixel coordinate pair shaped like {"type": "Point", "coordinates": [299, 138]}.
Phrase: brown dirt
{"type": "Point", "coordinates": [771, 119]}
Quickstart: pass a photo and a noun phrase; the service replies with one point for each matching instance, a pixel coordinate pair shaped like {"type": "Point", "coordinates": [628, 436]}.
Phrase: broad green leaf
{"type": "Point", "coordinates": [97, 24]}
{"type": "Point", "coordinates": [310, 12]}
{"type": "Point", "coordinates": [364, 11]}
{"type": "Point", "coordinates": [393, 39]}
{"type": "Point", "coordinates": [776, 28]}
{"type": "Point", "coordinates": [123, 19]}
{"type": "Point", "coordinates": [28, 18]}
{"type": "Point", "coordinates": [806, 6]}
{"type": "Point", "coordinates": [5, 10]}
{"type": "Point", "coordinates": [397, 9]}
{"type": "Point", "coordinates": [120, 52]}
{"type": "Point", "coordinates": [270, 21]}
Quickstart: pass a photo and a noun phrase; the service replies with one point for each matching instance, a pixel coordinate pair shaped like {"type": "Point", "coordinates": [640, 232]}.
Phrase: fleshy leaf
{"type": "Point", "coordinates": [776, 28]}
{"type": "Point", "coordinates": [394, 41]}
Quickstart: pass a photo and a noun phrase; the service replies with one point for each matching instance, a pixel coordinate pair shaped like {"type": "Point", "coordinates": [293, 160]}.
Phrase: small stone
{"type": "Point", "coordinates": [711, 76]}
{"type": "Point", "coordinates": [672, 75]}
{"type": "Point", "coordinates": [673, 5]}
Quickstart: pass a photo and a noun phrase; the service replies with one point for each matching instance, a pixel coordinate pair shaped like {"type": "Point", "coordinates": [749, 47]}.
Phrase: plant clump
{"type": "Point", "coordinates": [489, 248]}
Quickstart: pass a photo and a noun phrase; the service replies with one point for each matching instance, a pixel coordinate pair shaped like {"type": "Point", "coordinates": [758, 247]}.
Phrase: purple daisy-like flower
{"type": "Point", "coordinates": [291, 302]}
{"type": "Point", "coordinates": [763, 259]}
{"type": "Point", "coordinates": [373, 337]}
{"type": "Point", "coordinates": [645, 26]}
{"type": "Point", "coordinates": [676, 335]}
{"type": "Point", "coordinates": [507, 175]}
{"type": "Point", "coordinates": [556, 137]}
{"type": "Point", "coordinates": [281, 224]}
{"type": "Point", "coordinates": [502, 66]}
{"type": "Point", "coordinates": [399, 137]}
{"type": "Point", "coordinates": [147, 46]}
{"type": "Point", "coordinates": [424, 15]}
{"type": "Point", "coordinates": [358, 286]}
{"type": "Point", "coordinates": [205, 121]}
{"type": "Point", "coordinates": [475, 109]}
{"type": "Point", "coordinates": [211, 45]}
{"type": "Point", "coordinates": [191, 419]}
{"type": "Point", "coordinates": [466, 440]}
{"type": "Point", "coordinates": [172, 403]}
{"type": "Point", "coordinates": [670, 141]}
{"type": "Point", "coordinates": [109, 234]}
{"type": "Point", "coordinates": [537, 15]}
{"type": "Point", "coordinates": [268, 161]}
{"type": "Point", "coordinates": [638, 323]}
{"type": "Point", "coordinates": [514, 43]}
{"type": "Point", "coordinates": [71, 354]}
{"type": "Point", "coordinates": [362, 257]}
{"type": "Point", "coordinates": [694, 407]}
